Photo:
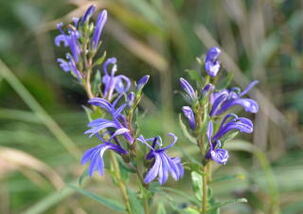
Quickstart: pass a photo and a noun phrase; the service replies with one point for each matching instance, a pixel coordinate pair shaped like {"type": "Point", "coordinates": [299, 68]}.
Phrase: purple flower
{"type": "Point", "coordinates": [215, 153]}
{"type": "Point", "coordinates": [142, 82]}
{"type": "Point", "coordinates": [189, 114]}
{"type": "Point", "coordinates": [225, 99]}
{"type": "Point", "coordinates": [119, 83]}
{"type": "Point", "coordinates": [69, 39]}
{"type": "Point", "coordinates": [89, 12]}
{"type": "Point", "coordinates": [70, 66]}
{"type": "Point", "coordinates": [188, 89]}
{"type": "Point", "coordinates": [232, 122]}
{"type": "Point", "coordinates": [101, 20]}
{"type": "Point", "coordinates": [95, 156]}
{"type": "Point", "coordinates": [130, 98]}
{"type": "Point", "coordinates": [212, 65]}
{"type": "Point", "coordinates": [207, 89]}
{"type": "Point", "coordinates": [118, 122]}
{"type": "Point", "coordinates": [163, 165]}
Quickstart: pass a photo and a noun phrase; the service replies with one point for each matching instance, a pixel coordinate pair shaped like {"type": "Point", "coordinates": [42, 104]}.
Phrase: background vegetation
{"type": "Point", "coordinates": [42, 121]}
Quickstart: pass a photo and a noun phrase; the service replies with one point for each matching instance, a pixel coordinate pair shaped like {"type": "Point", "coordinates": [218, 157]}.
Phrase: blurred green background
{"type": "Point", "coordinates": [42, 121]}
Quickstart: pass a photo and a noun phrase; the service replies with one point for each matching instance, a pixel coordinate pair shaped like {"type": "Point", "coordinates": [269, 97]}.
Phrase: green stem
{"type": "Point", "coordinates": [143, 188]}
{"type": "Point", "coordinates": [146, 206]}
{"type": "Point", "coordinates": [205, 188]}
{"type": "Point", "coordinates": [121, 183]}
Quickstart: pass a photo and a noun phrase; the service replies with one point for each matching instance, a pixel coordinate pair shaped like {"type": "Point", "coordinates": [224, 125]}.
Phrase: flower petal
{"type": "Point", "coordinates": [189, 114]}
{"type": "Point", "coordinates": [221, 156]}
{"type": "Point", "coordinates": [188, 89]}
{"type": "Point", "coordinates": [153, 172]}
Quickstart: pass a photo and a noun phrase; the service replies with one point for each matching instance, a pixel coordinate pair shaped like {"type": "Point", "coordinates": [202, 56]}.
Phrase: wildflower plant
{"type": "Point", "coordinates": [113, 101]}
{"type": "Point", "coordinates": [210, 123]}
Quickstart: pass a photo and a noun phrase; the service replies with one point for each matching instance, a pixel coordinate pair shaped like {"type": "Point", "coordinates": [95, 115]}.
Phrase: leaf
{"type": "Point", "coordinates": [110, 203]}
{"type": "Point", "coordinates": [161, 209]}
{"type": "Point", "coordinates": [183, 194]}
{"type": "Point", "coordinates": [229, 177]}
{"type": "Point", "coordinates": [82, 177]}
{"type": "Point", "coordinates": [229, 137]}
{"type": "Point", "coordinates": [97, 82]}
{"type": "Point", "coordinates": [101, 59]}
{"type": "Point", "coordinates": [190, 210]}
{"type": "Point", "coordinates": [185, 131]}
{"type": "Point", "coordinates": [197, 184]}
{"type": "Point", "coordinates": [50, 200]}
{"type": "Point", "coordinates": [135, 202]}
{"type": "Point", "coordinates": [88, 112]}
{"type": "Point", "coordinates": [154, 187]}
{"type": "Point", "coordinates": [123, 171]}
{"type": "Point", "coordinates": [221, 204]}
{"type": "Point", "coordinates": [194, 75]}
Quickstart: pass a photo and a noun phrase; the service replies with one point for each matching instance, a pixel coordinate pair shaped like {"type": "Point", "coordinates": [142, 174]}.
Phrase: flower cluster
{"type": "Point", "coordinates": [113, 126]}
{"type": "Point", "coordinates": [216, 103]}
{"type": "Point", "coordinates": [109, 130]}
{"type": "Point", "coordinates": [83, 39]}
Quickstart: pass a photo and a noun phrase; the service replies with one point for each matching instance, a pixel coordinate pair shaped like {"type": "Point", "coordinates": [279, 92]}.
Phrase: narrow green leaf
{"type": "Point", "coordinates": [228, 177]}
{"type": "Point", "coordinates": [135, 202]}
{"type": "Point", "coordinates": [82, 177]}
{"type": "Point", "coordinates": [197, 184]}
{"type": "Point", "coordinates": [190, 210]}
{"type": "Point", "coordinates": [101, 59]}
{"type": "Point", "coordinates": [221, 204]}
{"type": "Point", "coordinates": [161, 209]}
{"type": "Point", "coordinates": [110, 203]}
{"type": "Point", "coordinates": [185, 131]}
{"type": "Point", "coordinates": [183, 194]}
{"type": "Point", "coordinates": [88, 112]}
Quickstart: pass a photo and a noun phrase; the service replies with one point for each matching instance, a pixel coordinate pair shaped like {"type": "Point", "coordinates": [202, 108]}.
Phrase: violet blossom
{"type": "Point", "coordinates": [189, 114]}
{"type": "Point", "coordinates": [112, 83]}
{"type": "Point", "coordinates": [212, 64]}
{"type": "Point", "coordinates": [231, 122]}
{"type": "Point", "coordinates": [188, 89]}
{"type": "Point", "coordinates": [95, 156]}
{"type": "Point", "coordinates": [163, 164]}
{"type": "Point", "coordinates": [118, 122]}
{"type": "Point", "coordinates": [225, 99]}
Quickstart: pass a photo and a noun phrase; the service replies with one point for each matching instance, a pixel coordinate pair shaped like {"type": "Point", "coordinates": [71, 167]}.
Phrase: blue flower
{"type": "Point", "coordinates": [212, 65]}
{"type": "Point", "coordinates": [95, 156]}
{"type": "Point", "coordinates": [163, 165]}
{"type": "Point", "coordinates": [225, 99]}
{"type": "Point", "coordinates": [69, 39]}
{"type": "Point", "coordinates": [101, 20]}
{"type": "Point", "coordinates": [231, 122]}
{"type": "Point", "coordinates": [73, 38]}
{"type": "Point", "coordinates": [142, 82]}
{"type": "Point", "coordinates": [188, 89]}
{"type": "Point", "coordinates": [70, 66]}
{"type": "Point", "coordinates": [208, 88]}
{"type": "Point", "coordinates": [215, 153]}
{"type": "Point", "coordinates": [112, 83]}
{"type": "Point", "coordinates": [118, 122]}
{"type": "Point", "coordinates": [130, 98]}
{"type": "Point", "coordinates": [189, 114]}
{"type": "Point", "coordinates": [88, 13]}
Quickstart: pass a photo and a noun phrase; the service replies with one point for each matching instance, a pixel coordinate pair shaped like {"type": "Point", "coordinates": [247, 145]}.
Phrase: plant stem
{"type": "Point", "coordinates": [146, 206]}
{"type": "Point", "coordinates": [121, 183]}
{"type": "Point", "coordinates": [204, 188]}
